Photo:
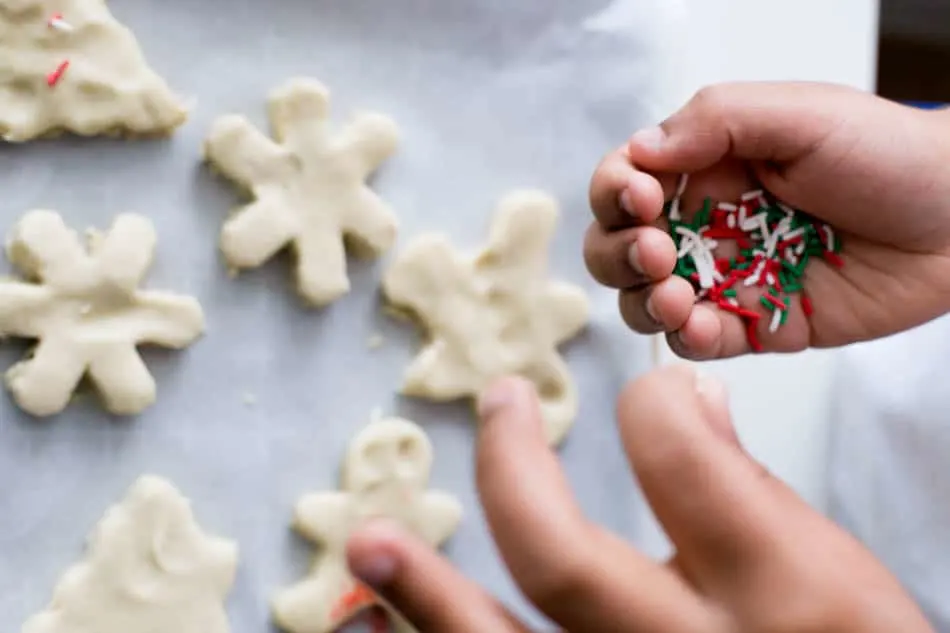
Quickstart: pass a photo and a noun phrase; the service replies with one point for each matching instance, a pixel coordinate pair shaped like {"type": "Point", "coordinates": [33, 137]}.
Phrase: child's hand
{"type": "Point", "coordinates": [750, 556]}
{"type": "Point", "coordinates": [876, 171]}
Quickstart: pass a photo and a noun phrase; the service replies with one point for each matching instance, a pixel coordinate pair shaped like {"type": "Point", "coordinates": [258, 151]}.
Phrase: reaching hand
{"type": "Point", "coordinates": [877, 171]}
{"type": "Point", "coordinates": [750, 556]}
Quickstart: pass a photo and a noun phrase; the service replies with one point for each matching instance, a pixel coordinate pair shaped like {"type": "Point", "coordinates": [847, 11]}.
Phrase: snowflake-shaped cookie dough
{"type": "Point", "coordinates": [384, 476]}
{"type": "Point", "coordinates": [309, 188]}
{"type": "Point", "coordinates": [492, 315]}
{"type": "Point", "coordinates": [148, 567]}
{"type": "Point", "coordinates": [68, 65]}
{"type": "Point", "coordinates": [87, 314]}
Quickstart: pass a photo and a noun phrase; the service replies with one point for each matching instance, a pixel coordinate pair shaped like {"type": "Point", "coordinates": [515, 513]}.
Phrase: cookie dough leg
{"type": "Point", "coordinates": [256, 233]}
{"type": "Point", "coordinates": [321, 267]}
{"type": "Point", "coordinates": [43, 385]}
{"type": "Point", "coordinates": [437, 375]}
{"type": "Point", "coordinates": [120, 375]}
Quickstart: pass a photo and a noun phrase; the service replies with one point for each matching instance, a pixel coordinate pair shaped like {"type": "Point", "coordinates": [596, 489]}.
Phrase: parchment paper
{"type": "Point", "coordinates": [490, 95]}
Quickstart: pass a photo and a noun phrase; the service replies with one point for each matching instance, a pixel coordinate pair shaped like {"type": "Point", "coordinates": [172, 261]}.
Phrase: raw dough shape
{"type": "Point", "coordinates": [87, 313]}
{"type": "Point", "coordinates": [309, 188]}
{"type": "Point", "coordinates": [492, 315]}
{"type": "Point", "coordinates": [107, 87]}
{"type": "Point", "coordinates": [384, 475]}
{"type": "Point", "coordinates": [149, 568]}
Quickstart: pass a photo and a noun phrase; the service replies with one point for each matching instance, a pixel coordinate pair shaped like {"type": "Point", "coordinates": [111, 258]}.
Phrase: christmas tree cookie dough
{"type": "Point", "coordinates": [385, 474]}
{"type": "Point", "coordinates": [492, 315]}
{"type": "Point", "coordinates": [85, 310]}
{"type": "Point", "coordinates": [68, 65]}
{"type": "Point", "coordinates": [149, 568]}
{"type": "Point", "coordinates": [308, 186]}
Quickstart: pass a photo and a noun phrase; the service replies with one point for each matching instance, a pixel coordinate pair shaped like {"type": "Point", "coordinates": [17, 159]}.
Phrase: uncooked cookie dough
{"type": "Point", "coordinates": [87, 314]}
{"type": "Point", "coordinates": [308, 185]}
{"type": "Point", "coordinates": [68, 65]}
{"type": "Point", "coordinates": [492, 315]}
{"type": "Point", "coordinates": [384, 476]}
{"type": "Point", "coordinates": [149, 568]}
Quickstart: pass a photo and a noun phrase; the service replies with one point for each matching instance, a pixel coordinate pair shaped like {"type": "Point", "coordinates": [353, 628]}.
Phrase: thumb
{"type": "Point", "coordinates": [778, 122]}
{"type": "Point", "coordinates": [720, 508]}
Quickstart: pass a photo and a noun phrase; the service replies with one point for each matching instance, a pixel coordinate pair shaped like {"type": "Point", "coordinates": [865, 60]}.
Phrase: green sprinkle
{"type": "Point", "coordinates": [767, 304]}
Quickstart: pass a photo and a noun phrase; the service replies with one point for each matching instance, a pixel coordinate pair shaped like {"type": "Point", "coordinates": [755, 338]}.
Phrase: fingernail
{"type": "Point", "coordinates": [651, 138]}
{"type": "Point", "coordinates": [711, 389]}
{"type": "Point", "coordinates": [377, 570]}
{"type": "Point", "coordinates": [626, 201]}
{"type": "Point", "coordinates": [496, 397]}
{"type": "Point", "coordinates": [633, 256]}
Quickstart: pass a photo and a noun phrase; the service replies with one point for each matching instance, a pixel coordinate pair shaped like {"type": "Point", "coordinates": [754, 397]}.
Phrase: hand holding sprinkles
{"type": "Point", "coordinates": [776, 244]}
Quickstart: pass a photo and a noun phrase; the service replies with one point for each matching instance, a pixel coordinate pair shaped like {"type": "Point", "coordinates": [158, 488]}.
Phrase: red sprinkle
{"type": "Point", "coordinates": [357, 598]}
{"type": "Point", "coordinates": [807, 305]}
{"type": "Point", "coordinates": [53, 78]}
{"type": "Point", "coordinates": [753, 336]}
{"type": "Point", "coordinates": [774, 301]}
{"type": "Point", "coordinates": [834, 259]}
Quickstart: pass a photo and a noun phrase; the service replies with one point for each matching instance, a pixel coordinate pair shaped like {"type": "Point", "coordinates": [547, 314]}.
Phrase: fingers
{"type": "Point", "coordinates": [423, 586]}
{"type": "Point", "coordinates": [749, 121]}
{"type": "Point", "coordinates": [580, 576]}
{"type": "Point", "coordinates": [630, 257]}
{"type": "Point", "coordinates": [718, 506]}
{"type": "Point", "coordinates": [620, 195]}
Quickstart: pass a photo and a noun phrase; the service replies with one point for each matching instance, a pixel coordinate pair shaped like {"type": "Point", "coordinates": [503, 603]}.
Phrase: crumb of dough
{"type": "Point", "coordinates": [375, 341]}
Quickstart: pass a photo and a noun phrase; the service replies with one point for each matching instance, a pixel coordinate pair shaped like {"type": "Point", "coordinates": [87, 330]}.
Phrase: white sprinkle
{"type": "Point", "coordinates": [731, 221]}
{"type": "Point", "coordinates": [59, 24]}
{"type": "Point", "coordinates": [791, 235]}
{"type": "Point", "coordinates": [770, 279]}
{"type": "Point", "coordinates": [757, 220]}
{"type": "Point", "coordinates": [800, 250]}
{"type": "Point", "coordinates": [776, 321]}
{"type": "Point", "coordinates": [752, 195]}
{"type": "Point", "coordinates": [787, 209]}
{"type": "Point", "coordinates": [725, 206]}
{"type": "Point", "coordinates": [830, 236]}
{"type": "Point", "coordinates": [675, 205]}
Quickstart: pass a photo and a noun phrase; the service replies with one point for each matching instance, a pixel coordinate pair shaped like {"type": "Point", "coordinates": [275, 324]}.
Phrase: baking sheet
{"type": "Point", "coordinates": [490, 95]}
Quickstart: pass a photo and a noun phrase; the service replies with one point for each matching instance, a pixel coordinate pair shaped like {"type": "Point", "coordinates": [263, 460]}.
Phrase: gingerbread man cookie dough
{"type": "Point", "coordinates": [148, 567]}
{"type": "Point", "coordinates": [384, 476]}
{"type": "Point", "coordinates": [494, 314]}
{"type": "Point", "coordinates": [87, 314]}
{"type": "Point", "coordinates": [68, 65]}
{"type": "Point", "coordinates": [309, 188]}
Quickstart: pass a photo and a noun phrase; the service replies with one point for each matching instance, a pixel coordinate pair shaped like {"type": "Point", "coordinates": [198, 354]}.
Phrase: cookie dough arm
{"type": "Point", "coordinates": [439, 517]}
{"type": "Point", "coordinates": [243, 154]}
{"type": "Point", "coordinates": [323, 517]}
{"type": "Point", "coordinates": [126, 252]}
{"type": "Point", "coordinates": [370, 222]}
{"type": "Point", "coordinates": [22, 306]}
{"type": "Point", "coordinates": [567, 309]}
{"type": "Point", "coordinates": [165, 319]}
{"type": "Point", "coordinates": [369, 139]}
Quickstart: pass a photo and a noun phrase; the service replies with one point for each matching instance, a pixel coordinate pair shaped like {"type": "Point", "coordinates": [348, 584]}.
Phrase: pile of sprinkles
{"type": "Point", "coordinates": [776, 243]}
